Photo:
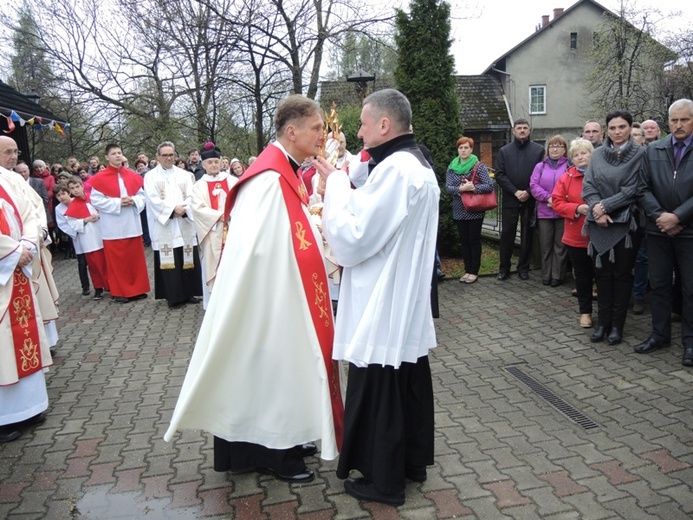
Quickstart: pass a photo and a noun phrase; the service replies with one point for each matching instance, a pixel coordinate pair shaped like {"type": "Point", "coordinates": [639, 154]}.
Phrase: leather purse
{"type": "Point", "coordinates": [475, 202]}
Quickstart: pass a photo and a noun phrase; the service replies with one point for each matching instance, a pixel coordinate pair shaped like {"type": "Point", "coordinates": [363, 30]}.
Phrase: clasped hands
{"type": "Point", "coordinates": [669, 224]}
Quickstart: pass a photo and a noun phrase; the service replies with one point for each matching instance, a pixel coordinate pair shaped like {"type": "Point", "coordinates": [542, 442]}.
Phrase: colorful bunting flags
{"type": "Point", "coordinates": [36, 122]}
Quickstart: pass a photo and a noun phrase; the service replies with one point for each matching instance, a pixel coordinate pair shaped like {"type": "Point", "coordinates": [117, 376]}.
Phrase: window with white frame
{"type": "Point", "coordinates": [537, 99]}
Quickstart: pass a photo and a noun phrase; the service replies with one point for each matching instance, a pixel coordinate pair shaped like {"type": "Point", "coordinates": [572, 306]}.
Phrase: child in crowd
{"type": "Point", "coordinates": [83, 218]}
{"type": "Point", "coordinates": [62, 193]}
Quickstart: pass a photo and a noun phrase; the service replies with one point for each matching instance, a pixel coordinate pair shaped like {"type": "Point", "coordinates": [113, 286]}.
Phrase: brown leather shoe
{"type": "Point", "coordinates": [586, 321]}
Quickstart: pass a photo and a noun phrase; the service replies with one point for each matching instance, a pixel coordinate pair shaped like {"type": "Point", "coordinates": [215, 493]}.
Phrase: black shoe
{"type": "Point", "coordinates": [35, 420]}
{"type": "Point", "coordinates": [615, 336]}
{"type": "Point", "coordinates": [650, 345]}
{"type": "Point", "coordinates": [523, 275]}
{"type": "Point", "coordinates": [307, 475]}
{"type": "Point", "coordinates": [599, 334]}
{"type": "Point", "coordinates": [138, 297]}
{"type": "Point", "coordinates": [638, 307]}
{"type": "Point", "coordinates": [86, 292]}
{"type": "Point", "coordinates": [9, 433]}
{"type": "Point", "coordinates": [98, 295]}
{"type": "Point", "coordinates": [415, 473]}
{"type": "Point", "coordinates": [502, 275]}
{"type": "Point", "coordinates": [307, 449]}
{"type": "Point", "coordinates": [119, 299]}
{"type": "Point", "coordinates": [53, 351]}
{"type": "Point", "coordinates": [194, 299]}
{"type": "Point", "coordinates": [556, 282]}
{"type": "Point", "coordinates": [546, 282]}
{"type": "Point", "coordinates": [363, 489]}
{"type": "Point", "coordinates": [441, 275]}
{"type": "Point", "coordinates": [687, 359]}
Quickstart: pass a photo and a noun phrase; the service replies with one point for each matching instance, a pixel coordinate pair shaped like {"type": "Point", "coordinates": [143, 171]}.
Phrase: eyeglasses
{"type": "Point", "coordinates": [12, 152]}
{"type": "Point", "coordinates": [167, 155]}
{"type": "Point", "coordinates": [556, 146]}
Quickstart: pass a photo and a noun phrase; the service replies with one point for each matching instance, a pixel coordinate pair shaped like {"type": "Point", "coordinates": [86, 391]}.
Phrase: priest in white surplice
{"type": "Point", "coordinates": [383, 234]}
{"type": "Point", "coordinates": [208, 202]}
{"type": "Point", "coordinates": [24, 349]}
{"type": "Point", "coordinates": [168, 189]}
{"type": "Point", "coordinates": [261, 378]}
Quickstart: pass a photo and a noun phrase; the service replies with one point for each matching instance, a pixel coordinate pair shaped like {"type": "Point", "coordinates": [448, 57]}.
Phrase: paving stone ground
{"type": "Point", "coordinates": [502, 451]}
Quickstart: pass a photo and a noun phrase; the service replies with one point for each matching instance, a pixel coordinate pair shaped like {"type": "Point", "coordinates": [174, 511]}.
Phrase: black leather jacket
{"type": "Point", "coordinates": [665, 188]}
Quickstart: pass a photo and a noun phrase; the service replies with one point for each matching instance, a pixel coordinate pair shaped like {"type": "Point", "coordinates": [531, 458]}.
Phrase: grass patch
{"type": "Point", "coordinates": [490, 260]}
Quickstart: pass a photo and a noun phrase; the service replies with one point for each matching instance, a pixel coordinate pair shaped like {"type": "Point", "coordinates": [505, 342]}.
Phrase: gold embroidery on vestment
{"type": "Point", "coordinates": [321, 300]}
{"type": "Point", "coordinates": [301, 235]}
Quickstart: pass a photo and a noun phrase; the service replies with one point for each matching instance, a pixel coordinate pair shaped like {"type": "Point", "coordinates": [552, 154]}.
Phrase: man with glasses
{"type": "Point", "coordinates": [168, 189]}
{"type": "Point", "coordinates": [24, 348]}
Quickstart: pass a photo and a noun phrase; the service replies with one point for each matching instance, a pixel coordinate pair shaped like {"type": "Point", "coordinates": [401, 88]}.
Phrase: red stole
{"type": "Point", "coordinates": [23, 322]}
{"type": "Point", "coordinates": [213, 185]}
{"type": "Point", "coordinates": [78, 208]}
{"type": "Point", "coordinates": [307, 249]}
{"type": "Point", "coordinates": [106, 181]}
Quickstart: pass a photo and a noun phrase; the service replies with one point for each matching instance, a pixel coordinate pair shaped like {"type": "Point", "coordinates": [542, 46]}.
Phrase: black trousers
{"type": "Point", "coordinates": [246, 456]}
{"type": "Point", "coordinates": [584, 275]}
{"type": "Point", "coordinates": [83, 271]}
{"type": "Point", "coordinates": [615, 283]}
{"type": "Point", "coordinates": [470, 238]}
{"type": "Point", "coordinates": [510, 217]}
{"type": "Point", "coordinates": [663, 254]}
{"type": "Point", "coordinates": [388, 423]}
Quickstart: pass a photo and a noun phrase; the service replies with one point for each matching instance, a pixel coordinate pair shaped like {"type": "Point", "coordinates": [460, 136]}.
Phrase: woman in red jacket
{"type": "Point", "coordinates": [568, 203]}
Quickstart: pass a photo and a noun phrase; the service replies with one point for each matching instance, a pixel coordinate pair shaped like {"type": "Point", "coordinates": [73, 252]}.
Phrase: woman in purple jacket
{"type": "Point", "coordinates": [544, 177]}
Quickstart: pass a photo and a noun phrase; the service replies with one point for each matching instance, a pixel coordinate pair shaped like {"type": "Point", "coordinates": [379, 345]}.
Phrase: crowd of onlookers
{"type": "Point", "coordinates": [598, 203]}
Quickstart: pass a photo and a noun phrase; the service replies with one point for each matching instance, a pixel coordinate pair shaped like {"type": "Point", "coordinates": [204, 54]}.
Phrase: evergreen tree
{"type": "Point", "coordinates": [424, 73]}
{"type": "Point", "coordinates": [31, 69]}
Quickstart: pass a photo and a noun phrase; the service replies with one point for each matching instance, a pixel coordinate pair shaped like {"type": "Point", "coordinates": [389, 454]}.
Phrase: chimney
{"type": "Point", "coordinates": [557, 12]}
{"type": "Point", "coordinates": [545, 20]}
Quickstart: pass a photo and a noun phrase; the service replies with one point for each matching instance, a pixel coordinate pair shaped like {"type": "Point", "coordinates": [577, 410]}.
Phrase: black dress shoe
{"type": "Point", "coordinates": [119, 299]}
{"type": "Point", "coordinates": [599, 334]}
{"type": "Point", "coordinates": [307, 449]}
{"type": "Point", "coordinates": [650, 345]}
{"type": "Point", "coordinates": [194, 299]}
{"type": "Point", "coordinates": [687, 359]}
{"type": "Point", "coordinates": [138, 297]}
{"type": "Point", "coordinates": [86, 292]}
{"type": "Point", "coordinates": [363, 489]}
{"type": "Point", "coordinates": [306, 475]}
{"type": "Point", "coordinates": [415, 473]}
{"type": "Point", "coordinates": [8, 434]}
{"type": "Point", "coordinates": [546, 282]}
{"type": "Point", "coordinates": [556, 282]}
{"type": "Point", "coordinates": [615, 336]}
{"type": "Point", "coordinates": [523, 275]}
{"type": "Point", "coordinates": [35, 420]}
{"type": "Point", "coordinates": [502, 275]}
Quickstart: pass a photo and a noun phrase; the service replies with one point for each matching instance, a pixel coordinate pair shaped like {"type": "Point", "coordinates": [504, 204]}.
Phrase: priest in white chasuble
{"type": "Point", "coordinates": [208, 202]}
{"type": "Point", "coordinates": [383, 233]}
{"type": "Point", "coordinates": [168, 189]}
{"type": "Point", "coordinates": [24, 349]}
{"type": "Point", "coordinates": [261, 378]}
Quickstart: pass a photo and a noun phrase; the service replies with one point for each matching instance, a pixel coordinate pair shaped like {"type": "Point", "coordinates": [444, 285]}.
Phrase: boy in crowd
{"type": "Point", "coordinates": [62, 193]}
{"type": "Point", "coordinates": [83, 219]}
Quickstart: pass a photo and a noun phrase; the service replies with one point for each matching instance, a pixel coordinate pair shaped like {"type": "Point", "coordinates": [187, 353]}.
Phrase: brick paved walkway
{"type": "Point", "coordinates": [501, 450]}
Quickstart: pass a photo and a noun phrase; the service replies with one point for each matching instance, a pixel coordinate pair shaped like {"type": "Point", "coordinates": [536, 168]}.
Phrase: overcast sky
{"type": "Point", "coordinates": [501, 24]}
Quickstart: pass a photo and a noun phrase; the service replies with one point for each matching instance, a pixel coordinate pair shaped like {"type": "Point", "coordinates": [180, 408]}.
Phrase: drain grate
{"type": "Point", "coordinates": [551, 398]}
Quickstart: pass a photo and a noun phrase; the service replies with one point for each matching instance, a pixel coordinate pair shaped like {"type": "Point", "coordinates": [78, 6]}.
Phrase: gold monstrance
{"type": "Point", "coordinates": [330, 147]}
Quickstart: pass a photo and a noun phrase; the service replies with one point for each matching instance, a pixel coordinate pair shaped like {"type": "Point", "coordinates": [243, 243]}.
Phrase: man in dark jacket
{"type": "Point", "coordinates": [514, 166]}
{"type": "Point", "coordinates": [666, 196]}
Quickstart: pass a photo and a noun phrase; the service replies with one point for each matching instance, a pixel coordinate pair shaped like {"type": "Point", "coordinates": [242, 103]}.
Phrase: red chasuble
{"type": "Point", "coordinates": [106, 181]}
{"type": "Point", "coordinates": [22, 314]}
{"type": "Point", "coordinates": [307, 249]}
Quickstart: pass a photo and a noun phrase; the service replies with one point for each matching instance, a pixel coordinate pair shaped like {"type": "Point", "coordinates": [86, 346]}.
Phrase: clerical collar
{"type": "Point", "coordinates": [384, 150]}
{"type": "Point", "coordinates": [293, 162]}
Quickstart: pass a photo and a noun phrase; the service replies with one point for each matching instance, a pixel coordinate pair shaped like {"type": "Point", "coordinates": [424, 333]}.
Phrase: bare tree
{"type": "Point", "coordinates": [628, 65]}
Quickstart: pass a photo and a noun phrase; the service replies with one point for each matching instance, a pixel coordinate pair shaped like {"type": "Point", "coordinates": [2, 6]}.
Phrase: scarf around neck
{"type": "Point", "coordinates": [462, 168]}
